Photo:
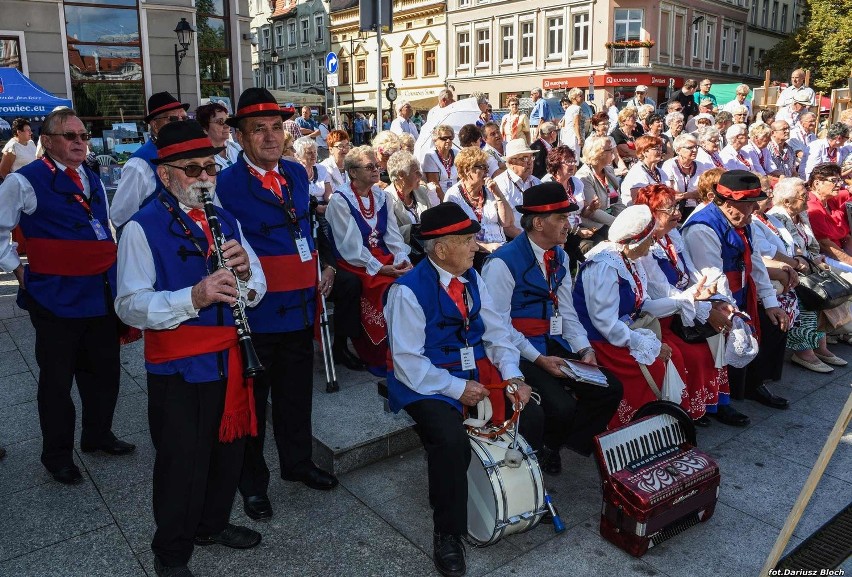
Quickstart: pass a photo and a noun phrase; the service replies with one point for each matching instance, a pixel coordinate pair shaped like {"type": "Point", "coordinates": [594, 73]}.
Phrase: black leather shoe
{"type": "Point", "coordinates": [448, 554]}
{"type": "Point", "coordinates": [257, 507]}
{"type": "Point", "coordinates": [313, 477]}
{"type": "Point", "coordinates": [702, 421]}
{"type": "Point", "coordinates": [730, 416]}
{"type": "Point", "coordinates": [233, 536]}
{"type": "Point", "coordinates": [550, 461]}
{"type": "Point", "coordinates": [342, 355]}
{"type": "Point", "coordinates": [69, 475]}
{"type": "Point", "coordinates": [166, 571]}
{"type": "Point", "coordinates": [114, 447]}
{"type": "Point", "coordinates": [764, 396]}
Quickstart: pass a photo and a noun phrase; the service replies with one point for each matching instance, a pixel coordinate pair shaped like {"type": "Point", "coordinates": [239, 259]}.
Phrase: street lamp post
{"type": "Point", "coordinates": [184, 36]}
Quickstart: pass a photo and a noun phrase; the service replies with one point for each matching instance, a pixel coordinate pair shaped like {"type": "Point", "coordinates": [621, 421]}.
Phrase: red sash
{"type": "Point", "coordinates": [490, 378]}
{"type": "Point", "coordinates": [288, 272]}
{"type": "Point", "coordinates": [70, 257]}
{"type": "Point", "coordinates": [531, 327]}
{"type": "Point", "coordinates": [239, 418]}
{"type": "Point", "coordinates": [373, 289]}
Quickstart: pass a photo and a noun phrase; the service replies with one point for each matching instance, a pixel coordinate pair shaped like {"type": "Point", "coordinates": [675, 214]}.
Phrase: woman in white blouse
{"type": "Point", "coordinates": [649, 153]}
{"type": "Point", "coordinates": [439, 164]}
{"type": "Point", "coordinates": [684, 172]}
{"type": "Point", "coordinates": [732, 155]}
{"type": "Point", "coordinates": [368, 244]}
{"type": "Point", "coordinates": [482, 203]}
{"type": "Point", "coordinates": [20, 150]}
{"type": "Point", "coordinates": [319, 181]}
{"type": "Point", "coordinates": [338, 146]}
{"type": "Point", "coordinates": [410, 199]}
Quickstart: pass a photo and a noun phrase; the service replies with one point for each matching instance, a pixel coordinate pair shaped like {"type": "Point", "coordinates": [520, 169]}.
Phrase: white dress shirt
{"type": "Point", "coordinates": [138, 304]}
{"type": "Point", "coordinates": [501, 283]}
{"type": "Point", "coordinates": [786, 96]}
{"type": "Point", "coordinates": [17, 195]}
{"type": "Point", "coordinates": [761, 161]}
{"type": "Point", "coordinates": [733, 161]}
{"type": "Point", "coordinates": [407, 338]}
{"type": "Point", "coordinates": [432, 163]}
{"type": "Point", "coordinates": [683, 182]}
{"type": "Point", "coordinates": [337, 175]}
{"type": "Point", "coordinates": [636, 178]}
{"type": "Point", "coordinates": [513, 189]}
{"type": "Point", "coordinates": [491, 227]}
{"type": "Point", "coordinates": [495, 157]}
{"type": "Point", "coordinates": [347, 235]}
{"type": "Point", "coordinates": [137, 183]}
{"type": "Point", "coordinates": [736, 105]}
{"type": "Point", "coordinates": [817, 153]}
{"type": "Point", "coordinates": [401, 126]}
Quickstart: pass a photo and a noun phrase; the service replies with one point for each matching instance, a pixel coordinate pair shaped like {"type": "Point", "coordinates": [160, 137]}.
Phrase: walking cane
{"type": "Point", "coordinates": [331, 385]}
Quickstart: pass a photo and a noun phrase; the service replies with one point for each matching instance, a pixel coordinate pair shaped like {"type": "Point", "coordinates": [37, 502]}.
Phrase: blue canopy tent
{"type": "Point", "coordinates": [20, 96]}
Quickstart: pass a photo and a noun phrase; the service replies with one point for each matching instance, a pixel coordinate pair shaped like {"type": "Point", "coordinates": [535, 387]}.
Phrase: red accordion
{"type": "Point", "coordinates": [656, 483]}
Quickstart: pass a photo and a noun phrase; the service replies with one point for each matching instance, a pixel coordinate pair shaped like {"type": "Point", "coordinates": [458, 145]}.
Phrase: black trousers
{"type": "Point", "coordinates": [574, 412]}
{"type": "Point", "coordinates": [289, 362]}
{"type": "Point", "coordinates": [195, 475]}
{"type": "Point", "coordinates": [85, 349]}
{"type": "Point", "coordinates": [439, 426]}
{"type": "Point", "coordinates": [766, 366]}
{"type": "Point", "coordinates": [346, 296]}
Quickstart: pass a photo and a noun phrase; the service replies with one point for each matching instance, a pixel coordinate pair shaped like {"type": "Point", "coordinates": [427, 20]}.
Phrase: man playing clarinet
{"type": "Point", "coordinates": [200, 408]}
{"type": "Point", "coordinates": [269, 195]}
{"type": "Point", "coordinates": [447, 343]}
{"type": "Point", "coordinates": [530, 283]}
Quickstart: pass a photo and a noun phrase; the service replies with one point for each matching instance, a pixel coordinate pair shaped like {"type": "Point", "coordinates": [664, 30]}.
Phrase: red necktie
{"type": "Point", "coordinates": [198, 216]}
{"type": "Point", "coordinates": [75, 176]}
{"type": "Point", "coordinates": [748, 284]}
{"type": "Point", "coordinates": [550, 262]}
{"type": "Point", "coordinates": [456, 292]}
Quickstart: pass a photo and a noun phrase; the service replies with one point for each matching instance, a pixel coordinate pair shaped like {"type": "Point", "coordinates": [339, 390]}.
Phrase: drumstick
{"type": "Point", "coordinates": [558, 525]}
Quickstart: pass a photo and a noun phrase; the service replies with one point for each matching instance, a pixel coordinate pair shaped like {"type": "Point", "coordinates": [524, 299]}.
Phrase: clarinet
{"type": "Point", "coordinates": [251, 363]}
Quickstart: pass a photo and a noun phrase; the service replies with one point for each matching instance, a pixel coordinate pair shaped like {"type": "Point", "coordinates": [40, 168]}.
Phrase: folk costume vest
{"type": "Point", "coordinates": [71, 272]}
{"type": "Point", "coordinates": [373, 239]}
{"type": "Point", "coordinates": [268, 225]}
{"type": "Point", "coordinates": [626, 304]}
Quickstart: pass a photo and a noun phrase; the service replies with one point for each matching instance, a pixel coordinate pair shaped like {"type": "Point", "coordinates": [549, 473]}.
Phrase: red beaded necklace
{"type": "Point", "coordinates": [369, 211]}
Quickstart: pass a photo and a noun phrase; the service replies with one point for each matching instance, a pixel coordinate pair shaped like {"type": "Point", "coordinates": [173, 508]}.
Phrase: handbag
{"type": "Point", "coordinates": [695, 334]}
{"type": "Point", "coordinates": [822, 289]}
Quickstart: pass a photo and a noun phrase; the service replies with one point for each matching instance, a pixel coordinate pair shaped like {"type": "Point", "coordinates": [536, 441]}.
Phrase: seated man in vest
{"type": "Point", "coordinates": [530, 283]}
{"type": "Point", "coordinates": [139, 181]}
{"type": "Point", "coordinates": [719, 237]}
{"type": "Point", "coordinates": [269, 195]}
{"type": "Point", "coordinates": [68, 287]}
{"type": "Point", "coordinates": [200, 409]}
{"type": "Point", "coordinates": [441, 325]}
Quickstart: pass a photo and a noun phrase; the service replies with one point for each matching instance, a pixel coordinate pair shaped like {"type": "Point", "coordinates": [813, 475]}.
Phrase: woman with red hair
{"type": "Point", "coordinates": [670, 271]}
{"type": "Point", "coordinates": [649, 152]}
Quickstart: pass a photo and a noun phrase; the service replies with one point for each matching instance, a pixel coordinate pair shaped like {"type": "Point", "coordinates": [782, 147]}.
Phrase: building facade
{"type": "Point", "coordinates": [109, 56]}
{"type": "Point", "coordinates": [769, 21]}
{"type": "Point", "coordinates": [292, 42]}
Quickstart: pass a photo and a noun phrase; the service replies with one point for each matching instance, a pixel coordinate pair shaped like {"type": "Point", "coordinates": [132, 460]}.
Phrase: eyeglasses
{"type": "Point", "coordinates": [173, 118]}
{"type": "Point", "coordinates": [71, 136]}
{"type": "Point", "coordinates": [371, 167]}
{"type": "Point", "coordinates": [836, 180]}
{"type": "Point", "coordinates": [693, 147]}
{"type": "Point", "coordinates": [195, 170]}
{"type": "Point", "coordinates": [444, 138]}
{"type": "Point", "coordinates": [714, 140]}
{"type": "Point", "coordinates": [670, 210]}
{"type": "Point", "coordinates": [569, 163]}
{"type": "Point", "coordinates": [609, 149]}
{"type": "Point", "coordinates": [480, 167]}
{"type": "Point", "coordinates": [219, 121]}
{"type": "Point", "coordinates": [341, 146]}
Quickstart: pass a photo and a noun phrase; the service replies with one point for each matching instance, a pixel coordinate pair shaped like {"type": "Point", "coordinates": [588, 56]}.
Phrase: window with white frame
{"type": "Point", "coordinates": [291, 33]}
{"type": "Point", "coordinates": [628, 24]}
{"type": "Point", "coordinates": [581, 32]}
{"type": "Point", "coordinates": [319, 25]}
{"type": "Point", "coordinates": [507, 31]}
{"type": "Point", "coordinates": [282, 75]}
{"type": "Point", "coordinates": [764, 14]}
{"type": "Point", "coordinates": [735, 48]}
{"type": "Point", "coordinates": [784, 10]}
{"type": "Point", "coordinates": [306, 29]}
{"type": "Point", "coordinates": [320, 68]}
{"type": "Point", "coordinates": [708, 41]}
{"type": "Point", "coordinates": [269, 77]}
{"type": "Point", "coordinates": [463, 43]}
{"type": "Point", "coordinates": [279, 36]}
{"type": "Point", "coordinates": [696, 37]}
{"type": "Point", "coordinates": [527, 40]}
{"type": "Point", "coordinates": [483, 46]}
{"type": "Point", "coordinates": [555, 36]}
{"type": "Point", "coordinates": [257, 77]}
{"type": "Point", "coordinates": [723, 48]}
{"type": "Point", "coordinates": [264, 38]}
{"type": "Point", "coordinates": [774, 21]}
{"type": "Point", "coordinates": [306, 71]}
{"type": "Point", "coordinates": [753, 12]}
{"type": "Point", "coordinates": [464, 3]}
{"type": "Point", "coordinates": [294, 74]}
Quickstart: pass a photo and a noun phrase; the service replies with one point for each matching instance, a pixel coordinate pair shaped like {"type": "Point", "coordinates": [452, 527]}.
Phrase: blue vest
{"type": "Point", "coordinates": [366, 231]}
{"type": "Point", "coordinates": [444, 332]}
{"type": "Point", "coordinates": [178, 265]}
{"type": "Point", "coordinates": [531, 297]}
{"type": "Point", "coordinates": [268, 229]}
{"type": "Point", "coordinates": [148, 152]}
{"type": "Point", "coordinates": [58, 215]}
{"type": "Point", "coordinates": [669, 269]}
{"type": "Point", "coordinates": [626, 304]}
{"type": "Point", "coordinates": [733, 264]}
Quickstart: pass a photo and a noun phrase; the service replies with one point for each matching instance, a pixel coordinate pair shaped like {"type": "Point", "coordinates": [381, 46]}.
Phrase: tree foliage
{"type": "Point", "coordinates": [823, 45]}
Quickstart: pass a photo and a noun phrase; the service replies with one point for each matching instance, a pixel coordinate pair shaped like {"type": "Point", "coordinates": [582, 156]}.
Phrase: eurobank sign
{"type": "Point", "coordinates": [604, 80]}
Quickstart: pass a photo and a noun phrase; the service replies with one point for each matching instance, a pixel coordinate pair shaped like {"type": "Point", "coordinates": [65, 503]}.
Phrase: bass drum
{"type": "Point", "coordinates": [502, 500]}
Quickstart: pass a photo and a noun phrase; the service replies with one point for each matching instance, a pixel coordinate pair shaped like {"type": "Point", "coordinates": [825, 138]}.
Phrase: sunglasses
{"type": "Point", "coordinates": [195, 170]}
{"type": "Point", "coordinates": [219, 121]}
{"type": "Point", "coordinates": [175, 118]}
{"type": "Point", "coordinates": [444, 138]}
{"type": "Point", "coordinates": [71, 136]}
{"type": "Point", "coordinates": [370, 167]}
{"type": "Point", "coordinates": [480, 167]}
{"type": "Point", "coordinates": [342, 146]}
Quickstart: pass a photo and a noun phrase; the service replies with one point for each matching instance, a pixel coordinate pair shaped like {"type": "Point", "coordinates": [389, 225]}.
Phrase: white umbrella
{"type": "Point", "coordinates": [456, 115]}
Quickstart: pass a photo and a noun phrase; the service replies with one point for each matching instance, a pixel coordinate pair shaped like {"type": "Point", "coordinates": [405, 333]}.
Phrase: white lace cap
{"type": "Point", "coordinates": [632, 226]}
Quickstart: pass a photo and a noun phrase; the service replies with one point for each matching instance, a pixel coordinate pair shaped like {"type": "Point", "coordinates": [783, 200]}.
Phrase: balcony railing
{"type": "Point", "coordinates": [629, 57]}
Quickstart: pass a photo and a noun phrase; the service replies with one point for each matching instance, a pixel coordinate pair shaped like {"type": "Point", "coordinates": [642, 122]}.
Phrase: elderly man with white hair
{"type": "Point", "coordinates": [732, 155]}
{"type": "Point", "coordinates": [517, 178]}
{"type": "Point", "coordinates": [402, 124]}
{"type": "Point", "coordinates": [540, 112]}
{"type": "Point", "coordinates": [742, 92]}
{"type": "Point", "coordinates": [781, 154]}
{"type": "Point", "coordinates": [794, 109]}
{"type": "Point", "coordinates": [445, 98]}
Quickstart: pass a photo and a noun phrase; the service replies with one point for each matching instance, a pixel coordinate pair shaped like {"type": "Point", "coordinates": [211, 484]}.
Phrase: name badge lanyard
{"type": "Point", "coordinates": [555, 326]}
{"type": "Point", "coordinates": [637, 303]}
{"type": "Point", "coordinates": [96, 225]}
{"type": "Point", "coordinates": [188, 233]}
{"type": "Point", "coordinates": [288, 206]}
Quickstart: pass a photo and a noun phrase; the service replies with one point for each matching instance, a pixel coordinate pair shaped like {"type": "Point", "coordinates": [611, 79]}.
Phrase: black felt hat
{"type": "Point", "coordinates": [162, 102]}
{"type": "Point", "coordinates": [184, 139]}
{"type": "Point", "coordinates": [546, 198]}
{"type": "Point", "coordinates": [740, 186]}
{"type": "Point", "coordinates": [445, 219]}
{"type": "Point", "coordinates": [258, 102]}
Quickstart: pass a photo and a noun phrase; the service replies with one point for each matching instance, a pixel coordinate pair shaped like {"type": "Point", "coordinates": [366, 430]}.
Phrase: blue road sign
{"type": "Point", "coordinates": [331, 63]}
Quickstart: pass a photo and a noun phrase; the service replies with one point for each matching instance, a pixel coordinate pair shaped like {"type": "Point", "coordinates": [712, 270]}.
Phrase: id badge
{"type": "Point", "coordinates": [467, 361]}
{"type": "Point", "coordinates": [304, 249]}
{"type": "Point", "coordinates": [100, 233]}
{"type": "Point", "coordinates": [448, 185]}
{"type": "Point", "coordinates": [555, 326]}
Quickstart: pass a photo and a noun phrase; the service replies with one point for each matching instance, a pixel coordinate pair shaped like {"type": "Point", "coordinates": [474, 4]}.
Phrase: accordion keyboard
{"type": "Point", "coordinates": [641, 442]}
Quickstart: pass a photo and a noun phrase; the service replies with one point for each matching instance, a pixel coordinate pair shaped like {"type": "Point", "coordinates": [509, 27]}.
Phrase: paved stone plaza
{"type": "Point", "coordinates": [377, 522]}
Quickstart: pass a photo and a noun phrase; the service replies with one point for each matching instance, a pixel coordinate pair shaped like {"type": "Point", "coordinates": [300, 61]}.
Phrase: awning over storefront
{"type": "Point", "coordinates": [20, 96]}
{"type": "Point", "coordinates": [298, 98]}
